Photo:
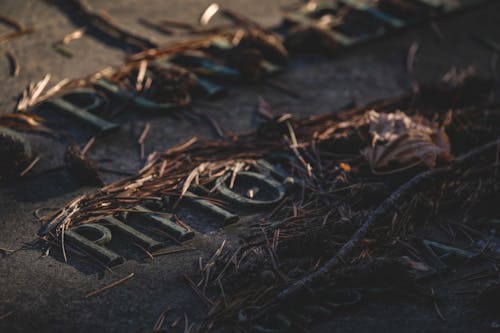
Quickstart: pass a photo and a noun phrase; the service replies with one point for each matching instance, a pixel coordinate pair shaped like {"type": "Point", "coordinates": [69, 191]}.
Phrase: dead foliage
{"type": "Point", "coordinates": [405, 141]}
{"type": "Point", "coordinates": [301, 257]}
{"type": "Point", "coordinates": [366, 184]}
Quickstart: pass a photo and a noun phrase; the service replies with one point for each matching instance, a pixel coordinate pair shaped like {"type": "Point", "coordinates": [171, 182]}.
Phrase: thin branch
{"type": "Point", "coordinates": [376, 215]}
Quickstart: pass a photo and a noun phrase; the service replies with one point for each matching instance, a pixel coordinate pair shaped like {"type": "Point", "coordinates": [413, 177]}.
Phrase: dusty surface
{"type": "Point", "coordinates": [45, 294]}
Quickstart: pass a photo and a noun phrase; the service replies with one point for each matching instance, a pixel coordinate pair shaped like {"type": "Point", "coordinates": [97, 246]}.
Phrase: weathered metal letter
{"type": "Point", "coordinates": [89, 101]}
{"type": "Point", "coordinates": [76, 236]}
{"type": "Point", "coordinates": [144, 240]}
{"type": "Point", "coordinates": [226, 216]}
{"type": "Point", "coordinates": [163, 220]}
{"type": "Point", "coordinates": [266, 183]}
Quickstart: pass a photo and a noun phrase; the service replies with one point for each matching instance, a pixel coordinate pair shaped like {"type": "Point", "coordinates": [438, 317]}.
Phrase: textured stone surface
{"type": "Point", "coordinates": [47, 295]}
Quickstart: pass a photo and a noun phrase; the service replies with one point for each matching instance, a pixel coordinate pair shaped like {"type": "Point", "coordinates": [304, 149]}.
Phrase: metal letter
{"type": "Point", "coordinates": [226, 216]}
{"type": "Point", "coordinates": [138, 101]}
{"type": "Point", "coordinates": [272, 185]}
{"type": "Point", "coordinates": [82, 112]}
{"type": "Point", "coordinates": [144, 240]}
{"type": "Point", "coordinates": [446, 251]}
{"type": "Point", "coordinates": [94, 246]}
{"type": "Point", "coordinates": [163, 220]}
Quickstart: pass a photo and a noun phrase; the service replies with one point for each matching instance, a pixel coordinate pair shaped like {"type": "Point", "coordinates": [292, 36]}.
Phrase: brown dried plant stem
{"type": "Point", "coordinates": [108, 26]}
{"type": "Point", "coordinates": [14, 64]}
{"type": "Point", "coordinates": [375, 216]}
{"type": "Point", "coordinates": [109, 286]}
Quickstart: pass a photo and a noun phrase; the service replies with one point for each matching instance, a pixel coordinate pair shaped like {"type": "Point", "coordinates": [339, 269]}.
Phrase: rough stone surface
{"type": "Point", "coordinates": [45, 294]}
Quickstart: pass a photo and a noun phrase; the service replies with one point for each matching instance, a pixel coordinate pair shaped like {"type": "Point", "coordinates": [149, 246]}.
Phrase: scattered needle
{"type": "Point", "coordinates": [29, 167]}
{"type": "Point", "coordinates": [436, 306]}
{"type": "Point", "coordinates": [142, 137]}
{"type": "Point", "coordinates": [161, 320]}
{"type": "Point", "coordinates": [410, 60]}
{"type": "Point", "coordinates": [8, 314]}
{"type": "Point", "coordinates": [14, 65]}
{"type": "Point", "coordinates": [73, 36]}
{"type": "Point", "coordinates": [209, 13]}
{"type": "Point", "coordinates": [109, 286]}
{"type": "Point", "coordinates": [155, 26]}
{"type": "Point", "coordinates": [89, 144]}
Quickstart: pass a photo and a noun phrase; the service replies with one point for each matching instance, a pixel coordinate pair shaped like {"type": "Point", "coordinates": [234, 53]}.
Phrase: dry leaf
{"type": "Point", "coordinates": [405, 141]}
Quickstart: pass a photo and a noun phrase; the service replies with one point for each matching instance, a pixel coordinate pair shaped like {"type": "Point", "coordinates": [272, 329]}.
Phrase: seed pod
{"type": "Point", "coordinates": [15, 153]}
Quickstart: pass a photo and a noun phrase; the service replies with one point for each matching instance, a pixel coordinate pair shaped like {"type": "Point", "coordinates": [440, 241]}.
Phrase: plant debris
{"type": "Point", "coordinates": [20, 29]}
{"type": "Point", "coordinates": [395, 137]}
{"type": "Point", "coordinates": [30, 166]}
{"type": "Point", "coordinates": [104, 23]}
{"type": "Point", "coordinates": [166, 78]}
{"type": "Point", "coordinates": [77, 34]}
{"type": "Point", "coordinates": [31, 94]}
{"type": "Point", "coordinates": [343, 216]}
{"type": "Point", "coordinates": [109, 286]}
{"type": "Point", "coordinates": [60, 46]}
{"type": "Point", "coordinates": [360, 192]}
{"type": "Point", "coordinates": [14, 64]}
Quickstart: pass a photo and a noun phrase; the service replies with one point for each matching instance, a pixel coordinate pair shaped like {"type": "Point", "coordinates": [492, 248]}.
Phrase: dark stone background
{"type": "Point", "coordinates": [47, 295]}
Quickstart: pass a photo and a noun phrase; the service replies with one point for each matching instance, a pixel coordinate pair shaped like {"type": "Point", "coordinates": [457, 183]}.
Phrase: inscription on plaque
{"type": "Point", "coordinates": [267, 187]}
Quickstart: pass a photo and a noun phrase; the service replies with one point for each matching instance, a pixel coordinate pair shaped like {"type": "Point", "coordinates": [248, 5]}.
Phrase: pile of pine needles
{"type": "Point", "coordinates": [349, 228]}
{"type": "Point", "coordinates": [344, 217]}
